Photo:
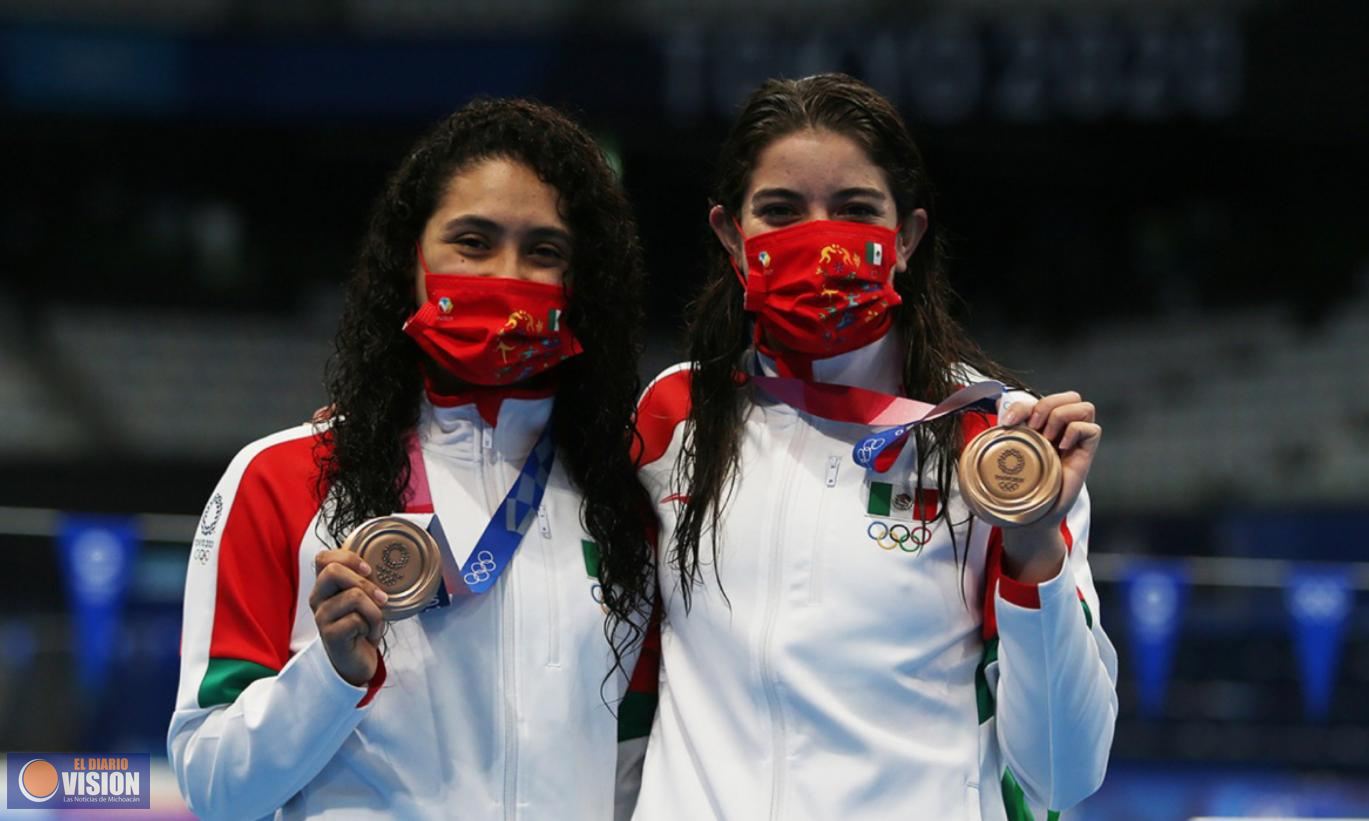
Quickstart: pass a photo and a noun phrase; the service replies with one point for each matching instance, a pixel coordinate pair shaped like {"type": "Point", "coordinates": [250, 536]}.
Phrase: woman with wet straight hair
{"type": "Point", "coordinates": [872, 607]}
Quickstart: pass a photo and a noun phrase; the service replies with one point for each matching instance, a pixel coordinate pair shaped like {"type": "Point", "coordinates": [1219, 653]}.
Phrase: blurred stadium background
{"type": "Point", "coordinates": [1161, 204]}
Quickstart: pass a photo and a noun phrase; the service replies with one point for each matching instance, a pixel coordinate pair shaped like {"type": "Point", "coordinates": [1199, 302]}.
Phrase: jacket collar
{"type": "Point", "coordinates": [877, 366]}
{"type": "Point", "coordinates": [506, 422]}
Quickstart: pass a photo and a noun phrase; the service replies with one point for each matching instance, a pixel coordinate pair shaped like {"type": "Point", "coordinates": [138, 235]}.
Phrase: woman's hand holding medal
{"type": "Point", "coordinates": [347, 610]}
{"type": "Point", "coordinates": [1050, 443]}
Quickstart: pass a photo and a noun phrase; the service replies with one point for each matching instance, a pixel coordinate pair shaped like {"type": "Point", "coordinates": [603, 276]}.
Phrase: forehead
{"type": "Point", "coordinates": [501, 189]}
{"type": "Point", "coordinates": [814, 161]}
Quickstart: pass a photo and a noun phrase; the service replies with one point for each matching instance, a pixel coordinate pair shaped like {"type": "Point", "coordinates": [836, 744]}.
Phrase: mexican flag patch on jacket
{"type": "Point", "coordinates": [904, 502]}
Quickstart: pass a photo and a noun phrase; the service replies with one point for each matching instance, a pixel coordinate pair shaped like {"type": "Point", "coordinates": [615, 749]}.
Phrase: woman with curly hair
{"type": "Point", "coordinates": [482, 392]}
{"type": "Point", "coordinates": [845, 633]}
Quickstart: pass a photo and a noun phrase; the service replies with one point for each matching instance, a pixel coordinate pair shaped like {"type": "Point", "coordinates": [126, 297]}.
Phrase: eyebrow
{"type": "Point", "coordinates": [873, 193]}
{"type": "Point", "coordinates": [778, 193]}
{"type": "Point", "coordinates": [552, 233]}
{"type": "Point", "coordinates": [467, 222]}
{"type": "Point", "coordinates": [845, 193]}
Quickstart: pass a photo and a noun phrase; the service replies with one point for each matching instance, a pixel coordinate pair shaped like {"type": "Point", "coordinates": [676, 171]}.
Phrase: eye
{"type": "Point", "coordinates": [776, 211]}
{"type": "Point", "coordinates": [472, 243]}
{"type": "Point", "coordinates": [860, 211]}
{"type": "Point", "coordinates": [549, 254]}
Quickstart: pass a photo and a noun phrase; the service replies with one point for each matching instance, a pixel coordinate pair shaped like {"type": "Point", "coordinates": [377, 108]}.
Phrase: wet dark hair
{"type": "Point", "coordinates": [375, 381]}
{"type": "Point", "coordinates": [936, 348]}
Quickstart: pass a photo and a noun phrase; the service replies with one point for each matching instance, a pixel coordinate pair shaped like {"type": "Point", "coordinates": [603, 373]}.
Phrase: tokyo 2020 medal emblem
{"type": "Point", "coordinates": [405, 560]}
{"type": "Point", "coordinates": [1010, 476]}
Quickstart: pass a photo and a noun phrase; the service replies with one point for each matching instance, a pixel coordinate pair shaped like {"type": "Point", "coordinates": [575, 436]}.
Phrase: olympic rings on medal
{"type": "Point", "coordinates": [908, 539]}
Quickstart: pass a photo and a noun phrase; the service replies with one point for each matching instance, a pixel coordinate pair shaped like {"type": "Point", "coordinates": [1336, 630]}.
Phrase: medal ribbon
{"type": "Point", "coordinates": [847, 403]}
{"type": "Point", "coordinates": [503, 534]}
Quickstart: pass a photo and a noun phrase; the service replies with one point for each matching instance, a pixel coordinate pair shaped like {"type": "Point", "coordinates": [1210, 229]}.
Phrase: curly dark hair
{"type": "Point", "coordinates": [375, 377]}
{"type": "Point", "coordinates": [935, 345]}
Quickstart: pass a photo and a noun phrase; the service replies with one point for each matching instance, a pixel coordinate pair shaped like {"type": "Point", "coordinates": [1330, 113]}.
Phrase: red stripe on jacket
{"type": "Point", "coordinates": [995, 580]}
{"type": "Point", "coordinates": [258, 556]}
{"type": "Point", "coordinates": [663, 407]}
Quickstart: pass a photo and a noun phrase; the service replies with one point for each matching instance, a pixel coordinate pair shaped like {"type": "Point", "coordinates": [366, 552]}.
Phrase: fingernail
{"type": "Point", "coordinates": [365, 569]}
{"type": "Point", "coordinates": [1009, 416]}
{"type": "Point", "coordinates": [381, 595]}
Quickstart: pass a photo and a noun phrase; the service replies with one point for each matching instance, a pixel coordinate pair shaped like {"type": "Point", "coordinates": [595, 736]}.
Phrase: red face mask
{"type": "Point", "coordinates": [822, 288]}
{"type": "Point", "coordinates": [491, 330]}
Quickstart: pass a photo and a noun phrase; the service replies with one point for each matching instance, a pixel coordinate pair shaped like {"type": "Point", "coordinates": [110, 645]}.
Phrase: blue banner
{"type": "Point", "coordinates": [1319, 602]}
{"type": "Point", "coordinates": [1155, 601]}
{"type": "Point", "coordinates": [97, 555]}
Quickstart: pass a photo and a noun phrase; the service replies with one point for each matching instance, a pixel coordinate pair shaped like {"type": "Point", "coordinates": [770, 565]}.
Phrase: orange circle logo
{"type": "Point", "coordinates": [38, 780]}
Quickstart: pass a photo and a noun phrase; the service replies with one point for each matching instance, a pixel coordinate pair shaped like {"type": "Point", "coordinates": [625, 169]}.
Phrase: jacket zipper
{"type": "Point", "coordinates": [768, 680]}
{"type": "Point", "coordinates": [549, 563]}
{"type": "Point", "coordinates": [507, 625]}
{"type": "Point", "coordinates": [815, 561]}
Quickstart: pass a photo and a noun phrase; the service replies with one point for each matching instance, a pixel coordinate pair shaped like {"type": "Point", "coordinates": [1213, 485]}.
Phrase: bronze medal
{"type": "Point", "coordinates": [405, 562]}
{"type": "Point", "coordinates": [1010, 477]}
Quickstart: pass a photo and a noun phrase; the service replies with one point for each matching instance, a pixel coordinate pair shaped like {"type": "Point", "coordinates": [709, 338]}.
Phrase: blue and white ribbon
{"type": "Point", "coordinates": [511, 520]}
{"type": "Point", "coordinates": [980, 396]}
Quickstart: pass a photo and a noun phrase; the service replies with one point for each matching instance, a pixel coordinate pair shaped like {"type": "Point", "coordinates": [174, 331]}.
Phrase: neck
{"type": "Point", "coordinates": [877, 366]}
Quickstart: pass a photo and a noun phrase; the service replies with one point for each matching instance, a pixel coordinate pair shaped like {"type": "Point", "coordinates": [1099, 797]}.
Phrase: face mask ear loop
{"type": "Point", "coordinates": [737, 271]}
{"type": "Point", "coordinates": [893, 271]}
{"type": "Point", "coordinates": [427, 275]}
{"type": "Point", "coordinates": [733, 260]}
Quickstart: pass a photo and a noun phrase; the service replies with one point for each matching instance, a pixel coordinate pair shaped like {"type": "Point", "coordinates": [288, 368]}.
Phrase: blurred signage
{"type": "Point", "coordinates": [1155, 596]}
{"type": "Point", "coordinates": [941, 70]}
{"type": "Point", "coordinates": [1319, 602]}
{"type": "Point", "coordinates": [950, 69]}
{"type": "Point", "coordinates": [97, 556]}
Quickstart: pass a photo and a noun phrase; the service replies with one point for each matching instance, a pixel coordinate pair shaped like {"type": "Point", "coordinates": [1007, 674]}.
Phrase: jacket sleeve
{"type": "Point", "coordinates": [247, 758]}
{"type": "Point", "coordinates": [661, 410]}
{"type": "Point", "coordinates": [255, 721]}
{"type": "Point", "coordinates": [636, 714]}
{"type": "Point", "coordinates": [631, 759]}
{"type": "Point", "coordinates": [1057, 676]}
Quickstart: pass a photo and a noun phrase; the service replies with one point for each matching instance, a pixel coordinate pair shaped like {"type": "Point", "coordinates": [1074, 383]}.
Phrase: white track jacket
{"type": "Point", "coordinates": [845, 671]}
{"type": "Point", "coordinates": [490, 708]}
